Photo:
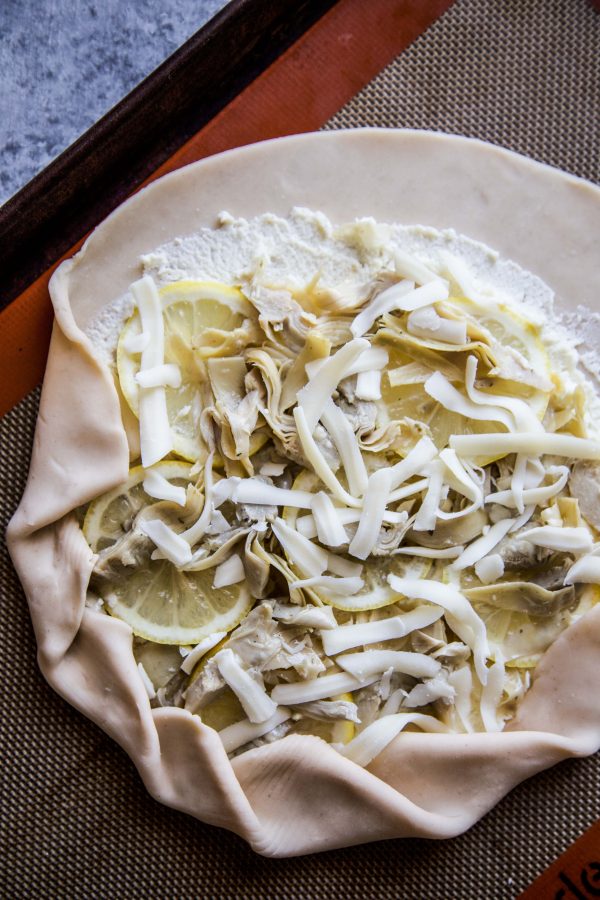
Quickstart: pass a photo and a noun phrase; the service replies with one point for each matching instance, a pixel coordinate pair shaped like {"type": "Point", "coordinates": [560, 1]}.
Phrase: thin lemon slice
{"type": "Point", "coordinates": [158, 601]}
{"type": "Point", "coordinates": [109, 517]}
{"type": "Point", "coordinates": [376, 592]}
{"type": "Point", "coordinates": [191, 310]}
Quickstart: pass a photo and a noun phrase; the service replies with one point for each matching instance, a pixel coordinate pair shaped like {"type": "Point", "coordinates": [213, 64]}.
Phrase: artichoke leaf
{"type": "Point", "coordinates": [452, 532]}
{"type": "Point", "coordinates": [524, 597]}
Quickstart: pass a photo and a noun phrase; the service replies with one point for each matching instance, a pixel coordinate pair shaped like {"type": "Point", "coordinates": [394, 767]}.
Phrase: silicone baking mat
{"type": "Point", "coordinates": [76, 820]}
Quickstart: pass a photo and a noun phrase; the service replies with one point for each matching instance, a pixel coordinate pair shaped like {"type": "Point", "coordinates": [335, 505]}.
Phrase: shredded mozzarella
{"type": "Point", "coordinates": [585, 571]}
{"type": "Point", "coordinates": [157, 486]}
{"type": "Point", "coordinates": [155, 432]}
{"type": "Point", "coordinates": [310, 559]}
{"type": "Point", "coordinates": [412, 268]}
{"type": "Point", "coordinates": [490, 568]}
{"type": "Point", "coordinates": [436, 688]}
{"type": "Point", "coordinates": [235, 736]}
{"type": "Point", "coordinates": [321, 688]}
{"type": "Point", "coordinates": [272, 469]}
{"type": "Point", "coordinates": [318, 461]}
{"type": "Point", "coordinates": [428, 512]}
{"type": "Point", "coordinates": [574, 540]}
{"type": "Point", "coordinates": [307, 526]}
{"type": "Point", "coordinates": [375, 737]}
{"type": "Point", "coordinates": [167, 375]}
{"type": "Point", "coordinates": [329, 528]}
{"type": "Point", "coordinates": [345, 567]}
{"type": "Point", "coordinates": [439, 388]}
{"type": "Point", "coordinates": [521, 412]}
{"type": "Point", "coordinates": [491, 694]}
{"type": "Point", "coordinates": [533, 444]}
{"type": "Point", "coordinates": [459, 614]}
{"type": "Point", "coordinates": [371, 518]}
{"type": "Point", "coordinates": [342, 435]}
{"type": "Point", "coordinates": [137, 343]}
{"type": "Point", "coordinates": [427, 324]}
{"type": "Point", "coordinates": [194, 656]}
{"type": "Point", "coordinates": [229, 572]}
{"type": "Point", "coordinates": [462, 682]}
{"type": "Point", "coordinates": [422, 453]}
{"type": "Point", "coordinates": [368, 386]}
{"type": "Point", "coordinates": [253, 490]}
{"type": "Point", "coordinates": [358, 635]}
{"type": "Point", "coordinates": [375, 662]}
{"type": "Point", "coordinates": [315, 394]}
{"type": "Point", "coordinates": [535, 496]}
{"type": "Point", "coordinates": [171, 545]}
{"type": "Point", "coordinates": [384, 302]}
{"type": "Point", "coordinates": [330, 585]}
{"type": "Point", "coordinates": [460, 479]}
{"type": "Point", "coordinates": [147, 682]}
{"type": "Point", "coordinates": [256, 703]}
{"type": "Point", "coordinates": [483, 545]}
{"type": "Point", "coordinates": [403, 296]}
{"type": "Point", "coordinates": [430, 552]}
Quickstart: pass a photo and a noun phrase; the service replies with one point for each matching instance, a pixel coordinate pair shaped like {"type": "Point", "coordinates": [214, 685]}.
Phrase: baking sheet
{"type": "Point", "coordinates": [77, 821]}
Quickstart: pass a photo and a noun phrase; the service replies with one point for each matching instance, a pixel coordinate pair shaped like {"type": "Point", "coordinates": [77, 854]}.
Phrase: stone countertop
{"type": "Point", "coordinates": [65, 63]}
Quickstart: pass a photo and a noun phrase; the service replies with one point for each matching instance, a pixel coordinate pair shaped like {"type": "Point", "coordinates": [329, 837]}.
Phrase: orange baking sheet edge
{"type": "Point", "coordinates": [573, 876]}
{"type": "Point", "coordinates": [299, 92]}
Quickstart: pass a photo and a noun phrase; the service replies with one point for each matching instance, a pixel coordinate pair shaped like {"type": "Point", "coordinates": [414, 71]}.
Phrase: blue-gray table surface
{"type": "Point", "coordinates": [64, 63]}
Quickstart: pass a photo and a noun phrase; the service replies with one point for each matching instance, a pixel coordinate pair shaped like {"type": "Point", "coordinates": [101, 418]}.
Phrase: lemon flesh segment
{"type": "Point", "coordinates": [168, 606]}
{"type": "Point", "coordinates": [189, 308]}
{"type": "Point", "coordinates": [158, 601]}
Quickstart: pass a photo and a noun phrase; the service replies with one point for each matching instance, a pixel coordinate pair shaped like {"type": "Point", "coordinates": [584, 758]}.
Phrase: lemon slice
{"type": "Point", "coordinates": [376, 592]}
{"type": "Point", "coordinates": [158, 601]}
{"type": "Point", "coordinates": [110, 516]}
{"type": "Point", "coordinates": [190, 309]}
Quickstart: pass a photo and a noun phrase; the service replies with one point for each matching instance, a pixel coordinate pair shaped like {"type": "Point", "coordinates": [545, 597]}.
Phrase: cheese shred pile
{"type": "Point", "coordinates": [388, 519]}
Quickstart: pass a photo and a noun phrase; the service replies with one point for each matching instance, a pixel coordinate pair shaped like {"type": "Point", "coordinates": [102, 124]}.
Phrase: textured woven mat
{"type": "Point", "coordinates": [76, 820]}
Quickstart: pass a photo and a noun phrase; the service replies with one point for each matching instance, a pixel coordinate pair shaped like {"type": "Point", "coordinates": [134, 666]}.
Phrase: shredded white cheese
{"type": "Point", "coordinates": [155, 432]}
{"type": "Point", "coordinates": [459, 613]}
{"type": "Point", "coordinates": [318, 688]}
{"type": "Point", "coordinates": [308, 557]}
{"type": "Point", "coordinates": [195, 655]}
{"type": "Point", "coordinates": [157, 486]}
{"type": "Point", "coordinates": [371, 518]}
{"type": "Point", "coordinates": [146, 681]}
{"type": "Point", "coordinates": [315, 394]}
{"type": "Point", "coordinates": [257, 704]}
{"type": "Point", "coordinates": [235, 736]}
{"type": "Point", "coordinates": [570, 540]}
{"type": "Point", "coordinates": [167, 375]}
{"type": "Point", "coordinates": [229, 572]}
{"type": "Point", "coordinates": [497, 445]}
{"type": "Point", "coordinates": [170, 544]}
{"type": "Point", "coordinates": [330, 530]}
{"type": "Point", "coordinates": [375, 738]}
{"type": "Point", "coordinates": [372, 662]}
{"type": "Point", "coordinates": [358, 635]}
